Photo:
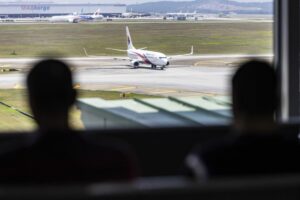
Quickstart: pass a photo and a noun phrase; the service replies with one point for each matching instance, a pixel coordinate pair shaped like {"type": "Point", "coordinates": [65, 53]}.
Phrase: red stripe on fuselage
{"type": "Point", "coordinates": [145, 60]}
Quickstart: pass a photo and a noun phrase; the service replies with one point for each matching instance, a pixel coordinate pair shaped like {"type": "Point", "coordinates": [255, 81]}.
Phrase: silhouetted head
{"type": "Point", "coordinates": [254, 90]}
{"type": "Point", "coordinates": [50, 88]}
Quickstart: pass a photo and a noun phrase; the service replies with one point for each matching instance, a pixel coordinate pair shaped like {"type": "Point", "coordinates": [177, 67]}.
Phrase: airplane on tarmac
{"type": "Point", "coordinates": [186, 14]}
{"type": "Point", "coordinates": [72, 18]}
{"type": "Point", "coordinates": [142, 56]}
{"type": "Point", "coordinates": [133, 14]}
{"type": "Point", "coordinates": [75, 18]}
{"type": "Point", "coordinates": [95, 16]}
{"type": "Point", "coordinates": [182, 15]}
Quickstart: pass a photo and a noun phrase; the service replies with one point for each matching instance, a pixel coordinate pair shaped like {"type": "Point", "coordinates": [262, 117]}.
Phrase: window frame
{"type": "Point", "coordinates": [286, 57]}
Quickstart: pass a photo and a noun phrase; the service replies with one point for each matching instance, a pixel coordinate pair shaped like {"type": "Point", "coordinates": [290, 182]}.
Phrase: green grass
{"type": "Point", "coordinates": [170, 38]}
{"type": "Point", "coordinates": [11, 120]}
{"type": "Point", "coordinates": [109, 95]}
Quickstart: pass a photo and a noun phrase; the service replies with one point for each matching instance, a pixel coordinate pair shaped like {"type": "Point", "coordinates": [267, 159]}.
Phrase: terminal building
{"type": "Point", "coordinates": [42, 9]}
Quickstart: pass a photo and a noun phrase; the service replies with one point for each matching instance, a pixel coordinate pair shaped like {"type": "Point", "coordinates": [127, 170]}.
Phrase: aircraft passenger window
{"type": "Point", "coordinates": [133, 65]}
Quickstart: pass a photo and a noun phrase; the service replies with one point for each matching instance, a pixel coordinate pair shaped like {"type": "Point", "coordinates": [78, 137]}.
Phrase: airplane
{"type": "Point", "coordinates": [75, 18]}
{"type": "Point", "coordinates": [95, 16]}
{"type": "Point", "coordinates": [142, 56]}
{"type": "Point", "coordinates": [181, 14]}
{"type": "Point", "coordinates": [131, 14]}
{"type": "Point", "coordinates": [134, 15]}
{"type": "Point", "coordinates": [72, 18]}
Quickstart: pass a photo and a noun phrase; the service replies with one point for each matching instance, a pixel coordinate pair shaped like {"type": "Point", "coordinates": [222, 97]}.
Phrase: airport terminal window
{"type": "Point", "coordinates": [179, 63]}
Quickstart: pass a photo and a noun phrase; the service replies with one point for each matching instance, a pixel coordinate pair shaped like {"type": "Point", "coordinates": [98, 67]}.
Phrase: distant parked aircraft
{"type": "Point", "coordinates": [95, 16]}
{"type": "Point", "coordinates": [75, 18]}
{"type": "Point", "coordinates": [134, 14]}
{"type": "Point", "coordinates": [181, 15]}
{"type": "Point", "coordinates": [186, 14]}
{"type": "Point", "coordinates": [72, 18]}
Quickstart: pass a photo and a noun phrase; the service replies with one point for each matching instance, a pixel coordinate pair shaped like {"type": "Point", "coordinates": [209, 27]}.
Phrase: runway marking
{"type": "Point", "coordinates": [123, 88]}
{"type": "Point", "coordinates": [163, 92]}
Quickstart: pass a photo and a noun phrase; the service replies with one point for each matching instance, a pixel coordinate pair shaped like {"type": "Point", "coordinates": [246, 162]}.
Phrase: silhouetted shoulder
{"type": "Point", "coordinates": [69, 157]}
{"type": "Point", "coordinates": [248, 154]}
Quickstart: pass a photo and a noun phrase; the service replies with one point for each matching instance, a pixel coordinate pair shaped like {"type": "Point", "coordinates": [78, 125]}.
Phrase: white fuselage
{"type": "Point", "coordinates": [148, 57]}
{"type": "Point", "coordinates": [65, 18]}
{"type": "Point", "coordinates": [90, 17]}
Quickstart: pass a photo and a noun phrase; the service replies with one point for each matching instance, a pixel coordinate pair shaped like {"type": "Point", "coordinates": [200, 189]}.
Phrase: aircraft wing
{"type": "Point", "coordinates": [121, 50]}
{"type": "Point", "coordinates": [143, 48]}
{"type": "Point", "coordinates": [115, 58]}
{"type": "Point", "coordinates": [188, 54]}
{"type": "Point", "coordinates": [117, 49]}
{"type": "Point", "coordinates": [123, 59]}
{"type": "Point", "coordinates": [87, 55]}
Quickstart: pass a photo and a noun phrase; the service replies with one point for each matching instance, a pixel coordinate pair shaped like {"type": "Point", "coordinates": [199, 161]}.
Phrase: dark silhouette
{"type": "Point", "coordinates": [59, 154]}
{"type": "Point", "coordinates": [254, 97]}
{"type": "Point", "coordinates": [51, 94]}
{"type": "Point", "coordinates": [256, 145]}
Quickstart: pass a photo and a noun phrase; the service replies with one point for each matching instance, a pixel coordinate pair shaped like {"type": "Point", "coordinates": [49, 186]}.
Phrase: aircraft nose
{"type": "Point", "coordinates": [165, 61]}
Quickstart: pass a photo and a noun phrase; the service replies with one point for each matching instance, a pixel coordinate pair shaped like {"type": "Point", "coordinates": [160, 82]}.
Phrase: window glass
{"type": "Point", "coordinates": [170, 68]}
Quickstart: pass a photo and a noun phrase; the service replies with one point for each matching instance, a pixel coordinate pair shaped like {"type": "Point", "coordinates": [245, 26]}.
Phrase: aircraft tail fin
{"type": "Point", "coordinates": [97, 12]}
{"type": "Point", "coordinates": [129, 41]}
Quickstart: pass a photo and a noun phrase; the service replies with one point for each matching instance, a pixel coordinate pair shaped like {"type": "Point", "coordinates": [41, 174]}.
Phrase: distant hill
{"type": "Point", "coordinates": [204, 6]}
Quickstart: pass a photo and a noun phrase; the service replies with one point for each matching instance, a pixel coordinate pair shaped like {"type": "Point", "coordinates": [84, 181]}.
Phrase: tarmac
{"type": "Point", "coordinates": [187, 76]}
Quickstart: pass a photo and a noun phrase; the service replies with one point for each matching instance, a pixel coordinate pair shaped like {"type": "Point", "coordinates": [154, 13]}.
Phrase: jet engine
{"type": "Point", "coordinates": [75, 20]}
{"type": "Point", "coordinates": [135, 63]}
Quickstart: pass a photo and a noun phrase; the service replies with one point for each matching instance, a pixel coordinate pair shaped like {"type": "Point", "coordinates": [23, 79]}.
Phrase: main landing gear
{"type": "Point", "coordinates": [155, 67]}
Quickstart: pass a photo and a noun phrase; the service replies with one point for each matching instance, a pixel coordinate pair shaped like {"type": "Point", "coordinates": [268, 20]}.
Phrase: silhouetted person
{"type": "Point", "coordinates": [60, 154]}
{"type": "Point", "coordinates": [254, 97]}
{"type": "Point", "coordinates": [256, 145]}
{"type": "Point", "coordinates": [51, 95]}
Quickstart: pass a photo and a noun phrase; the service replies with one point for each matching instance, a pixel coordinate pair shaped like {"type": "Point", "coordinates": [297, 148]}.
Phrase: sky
{"type": "Point", "coordinates": [115, 1]}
